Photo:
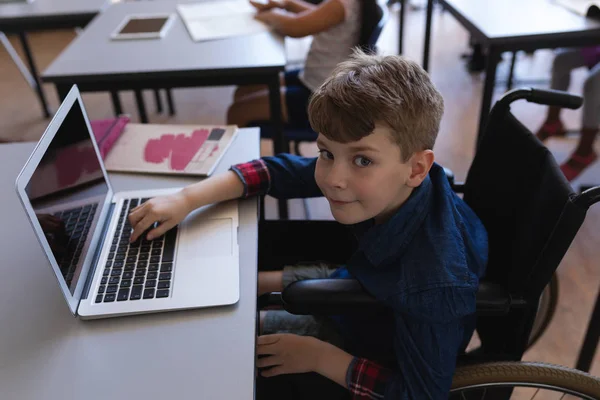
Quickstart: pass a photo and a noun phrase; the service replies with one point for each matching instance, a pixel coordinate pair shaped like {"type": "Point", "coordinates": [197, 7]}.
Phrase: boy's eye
{"type": "Point", "coordinates": [362, 162]}
{"type": "Point", "coordinates": [325, 155]}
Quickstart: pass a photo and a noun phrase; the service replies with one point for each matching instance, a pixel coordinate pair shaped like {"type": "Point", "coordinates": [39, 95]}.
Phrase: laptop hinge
{"type": "Point", "coordinates": [97, 253]}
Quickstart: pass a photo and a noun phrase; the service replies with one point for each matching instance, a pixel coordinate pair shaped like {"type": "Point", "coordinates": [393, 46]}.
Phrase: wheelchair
{"type": "Point", "coordinates": [531, 214]}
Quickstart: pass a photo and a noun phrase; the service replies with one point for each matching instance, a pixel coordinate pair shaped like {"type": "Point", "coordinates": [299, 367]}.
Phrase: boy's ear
{"type": "Point", "coordinates": [420, 164]}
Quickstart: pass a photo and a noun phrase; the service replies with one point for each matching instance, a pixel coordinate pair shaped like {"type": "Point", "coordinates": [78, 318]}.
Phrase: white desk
{"type": "Point", "coordinates": [46, 353]}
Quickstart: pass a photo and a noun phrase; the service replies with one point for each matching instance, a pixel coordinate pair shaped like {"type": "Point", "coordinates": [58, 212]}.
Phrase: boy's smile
{"type": "Point", "coordinates": [367, 179]}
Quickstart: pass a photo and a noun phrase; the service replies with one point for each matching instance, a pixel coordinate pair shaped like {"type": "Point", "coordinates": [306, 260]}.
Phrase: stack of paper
{"type": "Point", "coordinates": [220, 19]}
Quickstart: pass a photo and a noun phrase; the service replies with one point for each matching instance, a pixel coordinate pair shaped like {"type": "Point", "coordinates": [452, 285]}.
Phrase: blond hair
{"type": "Point", "coordinates": [370, 89]}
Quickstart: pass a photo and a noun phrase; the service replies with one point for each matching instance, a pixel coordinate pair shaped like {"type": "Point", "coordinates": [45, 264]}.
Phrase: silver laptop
{"type": "Point", "coordinates": [82, 227]}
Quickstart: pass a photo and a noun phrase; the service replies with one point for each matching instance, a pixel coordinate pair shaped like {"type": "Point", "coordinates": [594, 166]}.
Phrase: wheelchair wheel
{"type": "Point", "coordinates": [526, 380]}
{"type": "Point", "coordinates": [546, 310]}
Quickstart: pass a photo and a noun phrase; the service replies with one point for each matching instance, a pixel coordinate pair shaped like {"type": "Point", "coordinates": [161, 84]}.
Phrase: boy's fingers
{"type": "Point", "coordinates": [267, 373]}
{"type": "Point", "coordinates": [160, 230]}
{"type": "Point", "coordinates": [136, 216]}
{"type": "Point", "coordinates": [266, 349]}
{"type": "Point", "coordinates": [268, 339]}
{"type": "Point", "coordinates": [268, 362]}
{"type": "Point", "coordinates": [140, 227]}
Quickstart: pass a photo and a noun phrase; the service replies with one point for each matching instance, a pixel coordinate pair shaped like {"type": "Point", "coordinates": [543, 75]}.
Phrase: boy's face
{"type": "Point", "coordinates": [367, 178]}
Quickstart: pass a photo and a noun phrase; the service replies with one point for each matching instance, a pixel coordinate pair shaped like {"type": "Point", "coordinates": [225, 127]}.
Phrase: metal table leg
{"type": "Point", "coordinates": [35, 78]}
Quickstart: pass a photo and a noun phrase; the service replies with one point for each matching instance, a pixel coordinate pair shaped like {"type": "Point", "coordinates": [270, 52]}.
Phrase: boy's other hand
{"type": "Point", "coordinates": [287, 354]}
{"type": "Point", "coordinates": [168, 211]}
{"type": "Point", "coordinates": [263, 5]}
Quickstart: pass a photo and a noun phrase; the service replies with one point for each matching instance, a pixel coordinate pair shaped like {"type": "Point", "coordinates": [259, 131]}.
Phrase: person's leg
{"type": "Point", "coordinates": [276, 281]}
{"type": "Point", "coordinates": [270, 281]}
{"type": "Point", "coordinates": [254, 107]}
{"type": "Point", "coordinates": [584, 155]}
{"type": "Point", "coordinates": [243, 91]}
{"type": "Point", "coordinates": [564, 62]}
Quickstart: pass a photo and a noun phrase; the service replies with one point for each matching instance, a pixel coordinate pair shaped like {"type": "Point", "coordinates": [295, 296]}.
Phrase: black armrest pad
{"type": "Point", "coordinates": [327, 297]}
{"type": "Point", "coordinates": [346, 296]}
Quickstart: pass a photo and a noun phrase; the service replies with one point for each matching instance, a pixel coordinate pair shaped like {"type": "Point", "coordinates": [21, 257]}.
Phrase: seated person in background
{"type": "Point", "coordinates": [565, 61]}
{"type": "Point", "coordinates": [335, 25]}
{"type": "Point", "coordinates": [421, 250]}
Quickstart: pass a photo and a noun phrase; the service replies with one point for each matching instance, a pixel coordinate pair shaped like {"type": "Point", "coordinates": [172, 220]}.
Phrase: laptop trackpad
{"type": "Point", "coordinates": [206, 238]}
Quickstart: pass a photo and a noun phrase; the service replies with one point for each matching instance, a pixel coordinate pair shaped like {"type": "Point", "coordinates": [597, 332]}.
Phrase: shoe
{"type": "Point", "coordinates": [554, 128]}
{"type": "Point", "coordinates": [575, 165]}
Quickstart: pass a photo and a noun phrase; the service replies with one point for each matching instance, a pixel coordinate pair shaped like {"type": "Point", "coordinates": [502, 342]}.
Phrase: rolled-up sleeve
{"type": "Point", "coordinates": [284, 176]}
{"type": "Point", "coordinates": [367, 380]}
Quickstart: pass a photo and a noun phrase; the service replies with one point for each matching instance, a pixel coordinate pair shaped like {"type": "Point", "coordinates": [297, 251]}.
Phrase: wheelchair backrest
{"type": "Point", "coordinates": [517, 189]}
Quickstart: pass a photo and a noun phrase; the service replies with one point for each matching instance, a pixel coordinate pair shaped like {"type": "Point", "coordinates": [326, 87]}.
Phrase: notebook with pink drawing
{"type": "Point", "coordinates": [169, 149]}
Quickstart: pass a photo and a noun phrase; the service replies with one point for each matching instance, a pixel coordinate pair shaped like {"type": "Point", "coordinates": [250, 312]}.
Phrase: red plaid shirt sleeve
{"type": "Point", "coordinates": [255, 177]}
{"type": "Point", "coordinates": [367, 380]}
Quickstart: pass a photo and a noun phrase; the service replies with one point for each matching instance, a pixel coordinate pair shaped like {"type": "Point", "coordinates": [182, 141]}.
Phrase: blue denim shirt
{"type": "Point", "coordinates": [424, 263]}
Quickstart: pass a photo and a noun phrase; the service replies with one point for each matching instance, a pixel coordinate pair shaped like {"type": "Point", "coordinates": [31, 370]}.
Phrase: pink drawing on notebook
{"type": "Point", "coordinates": [181, 148]}
{"type": "Point", "coordinates": [67, 158]}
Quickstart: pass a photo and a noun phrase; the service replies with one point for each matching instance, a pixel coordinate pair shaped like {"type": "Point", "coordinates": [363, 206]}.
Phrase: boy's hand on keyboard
{"type": "Point", "coordinates": [168, 211]}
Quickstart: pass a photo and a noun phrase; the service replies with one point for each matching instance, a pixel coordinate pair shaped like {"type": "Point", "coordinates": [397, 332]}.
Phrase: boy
{"type": "Point", "coordinates": [421, 250]}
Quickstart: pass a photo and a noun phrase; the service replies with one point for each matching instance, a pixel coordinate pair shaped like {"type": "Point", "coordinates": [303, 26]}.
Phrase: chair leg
{"type": "Point", "coordinates": [158, 101]}
{"type": "Point", "coordinates": [511, 73]}
{"type": "Point", "coordinates": [170, 103]}
{"type": "Point", "coordinates": [139, 99]}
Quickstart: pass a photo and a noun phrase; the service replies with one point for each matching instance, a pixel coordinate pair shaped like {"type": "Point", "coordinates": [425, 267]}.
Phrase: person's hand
{"type": "Point", "coordinates": [287, 354]}
{"type": "Point", "coordinates": [168, 211]}
{"type": "Point", "coordinates": [264, 5]}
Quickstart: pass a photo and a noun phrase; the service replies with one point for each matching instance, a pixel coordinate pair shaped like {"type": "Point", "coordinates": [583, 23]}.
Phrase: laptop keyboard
{"type": "Point", "coordinates": [77, 226]}
{"type": "Point", "coordinates": [139, 270]}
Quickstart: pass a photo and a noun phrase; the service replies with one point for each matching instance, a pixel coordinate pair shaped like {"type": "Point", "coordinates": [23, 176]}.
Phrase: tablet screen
{"type": "Point", "coordinates": [143, 25]}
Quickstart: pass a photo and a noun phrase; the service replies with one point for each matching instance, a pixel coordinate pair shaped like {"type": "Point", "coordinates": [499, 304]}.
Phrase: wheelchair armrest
{"type": "Point", "coordinates": [346, 296]}
{"type": "Point", "coordinates": [327, 297]}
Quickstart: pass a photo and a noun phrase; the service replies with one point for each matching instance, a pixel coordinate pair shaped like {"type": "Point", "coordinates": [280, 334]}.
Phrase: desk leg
{"type": "Point", "coordinates": [139, 99]}
{"type": "Point", "coordinates": [590, 342]}
{"type": "Point", "coordinates": [427, 35]}
{"type": "Point", "coordinates": [488, 91]}
{"type": "Point", "coordinates": [116, 103]}
{"type": "Point", "coordinates": [401, 26]}
{"type": "Point", "coordinates": [278, 135]}
{"type": "Point", "coordinates": [34, 73]}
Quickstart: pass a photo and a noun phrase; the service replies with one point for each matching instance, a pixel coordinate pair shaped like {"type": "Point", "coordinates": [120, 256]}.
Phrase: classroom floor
{"type": "Point", "coordinates": [579, 272]}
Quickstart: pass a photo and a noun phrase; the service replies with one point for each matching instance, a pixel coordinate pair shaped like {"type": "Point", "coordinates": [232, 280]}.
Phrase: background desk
{"type": "Point", "coordinates": [21, 17]}
{"type": "Point", "coordinates": [96, 63]}
{"type": "Point", "coordinates": [514, 25]}
{"type": "Point", "coordinates": [46, 353]}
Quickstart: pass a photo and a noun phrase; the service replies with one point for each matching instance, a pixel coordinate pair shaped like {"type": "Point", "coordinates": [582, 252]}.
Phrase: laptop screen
{"type": "Point", "coordinates": [67, 190]}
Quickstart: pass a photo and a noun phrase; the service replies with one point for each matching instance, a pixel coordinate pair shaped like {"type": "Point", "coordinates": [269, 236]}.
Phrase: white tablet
{"type": "Point", "coordinates": [144, 26]}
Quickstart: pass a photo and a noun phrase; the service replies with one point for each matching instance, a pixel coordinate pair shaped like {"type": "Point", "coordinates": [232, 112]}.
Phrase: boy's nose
{"type": "Point", "coordinates": [337, 177]}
